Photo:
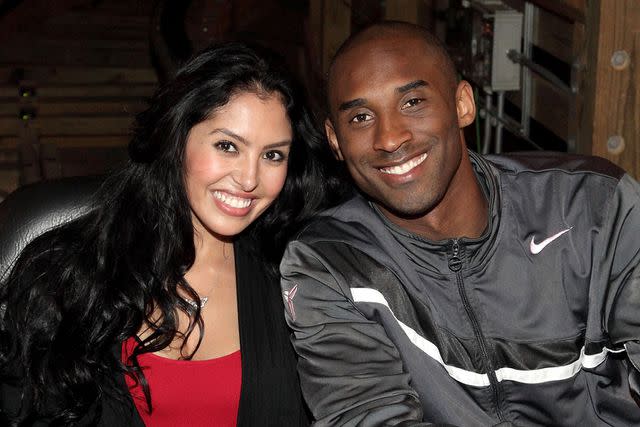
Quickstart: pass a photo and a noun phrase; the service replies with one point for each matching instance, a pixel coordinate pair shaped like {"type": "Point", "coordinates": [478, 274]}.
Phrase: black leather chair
{"type": "Point", "coordinates": [36, 208]}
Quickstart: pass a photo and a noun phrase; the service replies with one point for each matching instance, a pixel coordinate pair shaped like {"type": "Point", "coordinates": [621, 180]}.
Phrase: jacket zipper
{"type": "Point", "coordinates": [455, 264]}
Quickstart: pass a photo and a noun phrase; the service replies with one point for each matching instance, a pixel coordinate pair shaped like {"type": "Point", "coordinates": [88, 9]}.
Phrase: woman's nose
{"type": "Point", "coordinates": [246, 175]}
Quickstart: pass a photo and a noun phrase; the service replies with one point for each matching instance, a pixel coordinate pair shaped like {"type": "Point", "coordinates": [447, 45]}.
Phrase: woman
{"type": "Point", "coordinates": [164, 298]}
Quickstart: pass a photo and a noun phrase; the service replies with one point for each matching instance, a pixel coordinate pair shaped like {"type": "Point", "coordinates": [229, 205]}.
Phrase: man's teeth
{"type": "Point", "coordinates": [233, 201]}
{"type": "Point", "coordinates": [405, 167]}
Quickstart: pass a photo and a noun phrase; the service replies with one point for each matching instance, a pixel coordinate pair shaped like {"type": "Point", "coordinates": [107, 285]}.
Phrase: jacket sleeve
{"type": "Point", "coordinates": [621, 260]}
{"type": "Point", "coordinates": [350, 371]}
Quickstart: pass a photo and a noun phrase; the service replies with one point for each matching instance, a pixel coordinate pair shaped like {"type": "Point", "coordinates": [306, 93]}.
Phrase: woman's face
{"type": "Point", "coordinates": [236, 163]}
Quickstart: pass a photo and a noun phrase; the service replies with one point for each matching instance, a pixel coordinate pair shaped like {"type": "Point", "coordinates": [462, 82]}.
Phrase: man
{"type": "Point", "coordinates": [456, 289]}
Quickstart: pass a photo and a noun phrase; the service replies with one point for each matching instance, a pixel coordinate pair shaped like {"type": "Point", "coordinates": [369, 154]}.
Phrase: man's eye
{"type": "Point", "coordinates": [226, 146]}
{"type": "Point", "coordinates": [412, 102]}
{"type": "Point", "coordinates": [359, 118]}
{"type": "Point", "coordinates": [274, 156]}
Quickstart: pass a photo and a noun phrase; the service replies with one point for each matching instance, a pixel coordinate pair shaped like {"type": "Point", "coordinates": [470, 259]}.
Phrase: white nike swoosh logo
{"type": "Point", "coordinates": [536, 248]}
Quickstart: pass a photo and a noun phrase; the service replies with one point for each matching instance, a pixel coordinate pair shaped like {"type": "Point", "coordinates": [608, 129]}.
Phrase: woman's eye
{"type": "Point", "coordinates": [226, 146]}
{"type": "Point", "coordinates": [412, 102]}
{"type": "Point", "coordinates": [359, 118]}
{"type": "Point", "coordinates": [274, 156]}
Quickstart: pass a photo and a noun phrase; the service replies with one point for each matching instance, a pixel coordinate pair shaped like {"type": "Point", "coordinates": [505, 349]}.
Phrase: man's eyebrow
{"type": "Point", "coordinates": [358, 102]}
{"type": "Point", "coordinates": [245, 142]}
{"type": "Point", "coordinates": [412, 85]}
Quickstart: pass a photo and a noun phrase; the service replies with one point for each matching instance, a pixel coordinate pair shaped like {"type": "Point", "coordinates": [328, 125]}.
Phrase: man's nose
{"type": "Point", "coordinates": [391, 135]}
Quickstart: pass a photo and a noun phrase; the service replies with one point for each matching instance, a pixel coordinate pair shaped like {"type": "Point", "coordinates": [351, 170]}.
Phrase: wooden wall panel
{"type": "Point", "coordinates": [336, 27]}
{"type": "Point", "coordinates": [570, 10]}
{"type": "Point", "coordinates": [403, 10]}
{"type": "Point", "coordinates": [550, 107]}
{"type": "Point", "coordinates": [610, 123]}
{"type": "Point", "coordinates": [553, 34]}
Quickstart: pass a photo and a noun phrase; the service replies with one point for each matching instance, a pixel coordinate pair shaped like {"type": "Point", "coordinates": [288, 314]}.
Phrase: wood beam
{"type": "Point", "coordinates": [610, 118]}
{"type": "Point", "coordinates": [403, 10]}
{"type": "Point", "coordinates": [336, 27]}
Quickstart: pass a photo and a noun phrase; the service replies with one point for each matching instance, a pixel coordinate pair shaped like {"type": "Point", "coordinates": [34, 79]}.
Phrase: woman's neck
{"type": "Point", "coordinates": [214, 262]}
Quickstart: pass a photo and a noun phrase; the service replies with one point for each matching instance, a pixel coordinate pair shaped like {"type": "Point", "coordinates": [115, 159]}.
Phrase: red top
{"type": "Point", "coordinates": [187, 392]}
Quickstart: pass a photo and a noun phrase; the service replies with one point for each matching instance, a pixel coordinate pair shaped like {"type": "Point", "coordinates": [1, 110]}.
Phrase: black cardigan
{"type": "Point", "coordinates": [270, 394]}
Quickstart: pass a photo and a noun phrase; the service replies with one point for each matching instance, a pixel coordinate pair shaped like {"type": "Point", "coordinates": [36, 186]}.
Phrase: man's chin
{"type": "Point", "coordinates": [407, 209]}
{"type": "Point", "coordinates": [409, 214]}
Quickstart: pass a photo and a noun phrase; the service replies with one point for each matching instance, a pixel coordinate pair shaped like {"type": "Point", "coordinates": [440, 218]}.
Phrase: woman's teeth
{"type": "Point", "coordinates": [233, 201]}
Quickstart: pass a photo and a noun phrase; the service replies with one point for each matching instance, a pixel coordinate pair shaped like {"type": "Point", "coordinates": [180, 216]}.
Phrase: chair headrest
{"type": "Point", "coordinates": [34, 209]}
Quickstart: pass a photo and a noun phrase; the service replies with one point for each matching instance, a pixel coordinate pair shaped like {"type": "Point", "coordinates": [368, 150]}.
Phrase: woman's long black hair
{"type": "Point", "coordinates": [80, 290]}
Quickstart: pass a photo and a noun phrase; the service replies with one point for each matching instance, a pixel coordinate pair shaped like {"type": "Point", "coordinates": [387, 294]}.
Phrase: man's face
{"type": "Point", "coordinates": [395, 121]}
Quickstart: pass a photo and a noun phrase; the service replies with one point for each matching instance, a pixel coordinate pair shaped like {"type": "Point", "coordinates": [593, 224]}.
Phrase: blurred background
{"type": "Point", "coordinates": [561, 75]}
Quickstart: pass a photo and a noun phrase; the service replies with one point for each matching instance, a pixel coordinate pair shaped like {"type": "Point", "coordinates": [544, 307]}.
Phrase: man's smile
{"type": "Point", "coordinates": [404, 167]}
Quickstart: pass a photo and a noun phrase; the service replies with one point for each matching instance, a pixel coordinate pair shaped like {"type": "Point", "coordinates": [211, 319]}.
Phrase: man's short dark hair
{"type": "Point", "coordinates": [433, 44]}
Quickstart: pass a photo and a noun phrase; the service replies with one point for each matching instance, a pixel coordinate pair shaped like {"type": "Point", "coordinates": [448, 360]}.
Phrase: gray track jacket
{"type": "Point", "coordinates": [537, 322]}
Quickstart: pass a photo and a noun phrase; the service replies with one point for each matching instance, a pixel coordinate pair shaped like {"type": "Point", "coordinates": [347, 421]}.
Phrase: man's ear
{"type": "Point", "coordinates": [333, 139]}
{"type": "Point", "coordinates": [465, 105]}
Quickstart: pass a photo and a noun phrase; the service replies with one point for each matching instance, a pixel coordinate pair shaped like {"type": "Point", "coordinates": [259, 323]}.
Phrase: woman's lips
{"type": "Point", "coordinates": [232, 201]}
{"type": "Point", "coordinates": [232, 205]}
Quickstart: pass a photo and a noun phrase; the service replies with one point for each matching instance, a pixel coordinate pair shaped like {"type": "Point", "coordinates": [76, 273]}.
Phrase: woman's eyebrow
{"type": "Point", "coordinates": [230, 134]}
{"type": "Point", "coordinates": [278, 144]}
{"type": "Point", "coordinates": [244, 141]}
